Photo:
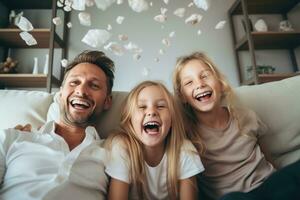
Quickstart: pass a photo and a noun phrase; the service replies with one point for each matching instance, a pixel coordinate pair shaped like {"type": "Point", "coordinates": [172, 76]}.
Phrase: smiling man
{"type": "Point", "coordinates": [63, 160]}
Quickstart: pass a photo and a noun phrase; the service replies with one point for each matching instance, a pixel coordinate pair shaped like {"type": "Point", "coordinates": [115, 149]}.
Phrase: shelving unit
{"type": "Point", "coordinates": [263, 40]}
{"type": "Point", "coordinates": [46, 38]}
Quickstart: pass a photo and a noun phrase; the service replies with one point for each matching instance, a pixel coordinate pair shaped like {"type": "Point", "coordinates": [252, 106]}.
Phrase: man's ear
{"type": "Point", "coordinates": [108, 102]}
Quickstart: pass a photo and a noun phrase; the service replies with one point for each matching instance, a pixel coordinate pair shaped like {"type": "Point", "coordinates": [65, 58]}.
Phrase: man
{"type": "Point", "coordinates": [63, 160]}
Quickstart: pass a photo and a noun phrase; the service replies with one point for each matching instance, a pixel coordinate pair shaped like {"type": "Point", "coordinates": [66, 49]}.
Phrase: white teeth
{"type": "Point", "coordinates": [202, 94]}
{"type": "Point", "coordinates": [151, 124]}
{"type": "Point", "coordinates": [77, 101]}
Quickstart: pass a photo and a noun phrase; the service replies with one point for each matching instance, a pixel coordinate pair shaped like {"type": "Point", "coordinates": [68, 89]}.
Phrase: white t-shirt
{"type": "Point", "coordinates": [118, 168]}
{"type": "Point", "coordinates": [40, 166]}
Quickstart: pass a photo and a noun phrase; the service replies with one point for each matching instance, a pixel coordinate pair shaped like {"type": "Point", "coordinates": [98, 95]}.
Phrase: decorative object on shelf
{"type": "Point", "coordinates": [260, 69]}
{"type": "Point", "coordinates": [46, 65]}
{"type": "Point", "coordinates": [8, 66]}
{"type": "Point", "coordinates": [14, 18]}
{"type": "Point", "coordinates": [35, 66]}
{"type": "Point", "coordinates": [244, 24]}
{"type": "Point", "coordinates": [261, 26]}
{"type": "Point", "coordinates": [285, 26]}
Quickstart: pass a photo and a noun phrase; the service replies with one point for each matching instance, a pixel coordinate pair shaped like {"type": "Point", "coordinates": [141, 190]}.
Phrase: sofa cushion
{"type": "Point", "coordinates": [110, 119]}
{"type": "Point", "coordinates": [22, 107]}
{"type": "Point", "coordinates": [278, 105]}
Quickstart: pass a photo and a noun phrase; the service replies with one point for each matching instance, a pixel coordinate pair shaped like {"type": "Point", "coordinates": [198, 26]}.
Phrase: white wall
{"type": "Point", "coordinates": [147, 33]}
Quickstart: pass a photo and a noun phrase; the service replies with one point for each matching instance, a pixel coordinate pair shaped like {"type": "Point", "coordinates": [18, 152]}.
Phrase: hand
{"type": "Point", "coordinates": [26, 128]}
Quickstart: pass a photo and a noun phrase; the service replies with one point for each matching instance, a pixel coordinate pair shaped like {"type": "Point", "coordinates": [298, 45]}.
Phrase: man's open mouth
{"type": "Point", "coordinates": [80, 104]}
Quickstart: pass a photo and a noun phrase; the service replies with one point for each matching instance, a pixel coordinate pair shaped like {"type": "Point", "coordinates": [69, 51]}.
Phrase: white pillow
{"type": "Point", "coordinates": [22, 107]}
{"type": "Point", "coordinates": [110, 119]}
{"type": "Point", "coordinates": [278, 105]}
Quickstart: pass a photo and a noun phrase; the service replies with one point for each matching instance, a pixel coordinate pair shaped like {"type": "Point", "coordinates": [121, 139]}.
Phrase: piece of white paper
{"type": "Point", "coordinates": [96, 37]}
{"type": "Point", "coordinates": [179, 12]}
{"type": "Point", "coordinates": [220, 24]}
{"type": "Point", "coordinates": [120, 19]}
{"type": "Point", "coordinates": [85, 18]}
{"type": "Point", "coordinates": [160, 18]}
{"type": "Point", "coordinates": [203, 4]}
{"type": "Point", "coordinates": [104, 4]}
{"type": "Point", "coordinates": [28, 38]}
{"type": "Point", "coordinates": [57, 21]}
{"type": "Point", "coordinates": [193, 19]}
{"type": "Point", "coordinates": [115, 48]}
{"type": "Point", "coordinates": [138, 5]}
{"type": "Point", "coordinates": [24, 24]}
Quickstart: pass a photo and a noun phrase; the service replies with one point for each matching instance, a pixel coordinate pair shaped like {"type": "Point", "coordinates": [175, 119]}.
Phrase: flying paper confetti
{"type": "Point", "coordinates": [96, 37]}
{"type": "Point", "coordinates": [24, 24]}
{"type": "Point", "coordinates": [120, 19]}
{"type": "Point", "coordinates": [115, 48]}
{"type": "Point", "coordinates": [179, 12]}
{"type": "Point", "coordinates": [84, 18]}
{"type": "Point", "coordinates": [160, 18]}
{"type": "Point", "coordinates": [203, 4]}
{"type": "Point", "coordinates": [220, 24]}
{"type": "Point", "coordinates": [28, 38]}
{"type": "Point", "coordinates": [193, 19]}
{"type": "Point", "coordinates": [104, 4]}
{"type": "Point", "coordinates": [138, 5]}
{"type": "Point", "coordinates": [57, 21]}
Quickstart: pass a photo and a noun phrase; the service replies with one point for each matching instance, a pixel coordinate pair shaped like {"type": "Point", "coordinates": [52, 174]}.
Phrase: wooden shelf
{"type": "Point", "coordinates": [27, 4]}
{"type": "Point", "coordinates": [264, 6]}
{"type": "Point", "coordinates": [264, 78]}
{"type": "Point", "coordinates": [271, 40]}
{"type": "Point", "coordinates": [11, 38]}
{"type": "Point", "coordinates": [25, 80]}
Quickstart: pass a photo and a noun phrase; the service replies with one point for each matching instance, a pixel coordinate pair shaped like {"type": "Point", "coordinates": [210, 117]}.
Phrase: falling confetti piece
{"type": "Point", "coordinates": [57, 21]}
{"type": "Point", "coordinates": [138, 5]}
{"type": "Point", "coordinates": [69, 24]}
{"type": "Point", "coordinates": [179, 12]}
{"type": "Point", "coordinates": [172, 34]}
{"type": "Point", "coordinates": [120, 19]}
{"type": "Point", "coordinates": [166, 42]}
{"type": "Point", "coordinates": [84, 18]}
{"type": "Point", "coordinates": [109, 27]}
{"type": "Point", "coordinates": [64, 62]}
{"type": "Point", "coordinates": [151, 3]}
{"type": "Point", "coordinates": [24, 24]}
{"type": "Point", "coordinates": [220, 24]}
{"type": "Point", "coordinates": [67, 8]}
{"type": "Point", "coordinates": [115, 48]}
{"type": "Point", "coordinates": [136, 56]}
{"type": "Point", "coordinates": [89, 3]}
{"type": "Point", "coordinates": [133, 48]}
{"type": "Point", "coordinates": [123, 37]}
{"type": "Point", "coordinates": [59, 4]}
{"type": "Point", "coordinates": [166, 1]}
{"type": "Point", "coordinates": [103, 4]}
{"type": "Point", "coordinates": [199, 32]}
{"type": "Point", "coordinates": [119, 2]}
{"type": "Point", "coordinates": [190, 4]}
{"type": "Point", "coordinates": [28, 38]}
{"type": "Point", "coordinates": [78, 5]}
{"type": "Point", "coordinates": [160, 18]}
{"type": "Point", "coordinates": [163, 11]}
{"type": "Point", "coordinates": [96, 37]}
{"type": "Point", "coordinates": [161, 52]}
{"type": "Point", "coordinates": [203, 4]}
{"type": "Point", "coordinates": [145, 71]}
{"type": "Point", "coordinates": [193, 19]}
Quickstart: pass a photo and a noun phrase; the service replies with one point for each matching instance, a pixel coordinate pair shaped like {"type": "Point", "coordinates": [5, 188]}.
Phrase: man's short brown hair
{"type": "Point", "coordinates": [97, 58]}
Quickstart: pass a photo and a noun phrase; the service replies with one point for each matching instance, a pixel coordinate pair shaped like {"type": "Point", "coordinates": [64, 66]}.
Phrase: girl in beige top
{"type": "Point", "coordinates": [225, 136]}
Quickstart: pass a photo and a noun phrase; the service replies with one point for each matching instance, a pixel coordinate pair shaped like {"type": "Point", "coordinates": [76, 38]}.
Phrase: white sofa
{"type": "Point", "coordinates": [277, 103]}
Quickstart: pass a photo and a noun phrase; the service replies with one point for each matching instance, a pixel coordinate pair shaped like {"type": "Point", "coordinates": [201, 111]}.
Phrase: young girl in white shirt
{"type": "Point", "coordinates": [225, 135]}
{"type": "Point", "coordinates": [150, 158]}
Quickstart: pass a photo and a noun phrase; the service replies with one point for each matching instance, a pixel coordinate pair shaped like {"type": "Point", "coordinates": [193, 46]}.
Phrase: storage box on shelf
{"type": "Point", "coordinates": [46, 38]}
{"type": "Point", "coordinates": [263, 40]}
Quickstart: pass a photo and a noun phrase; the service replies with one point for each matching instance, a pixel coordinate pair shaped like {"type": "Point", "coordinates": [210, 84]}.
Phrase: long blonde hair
{"type": "Point", "coordinates": [173, 143]}
{"type": "Point", "coordinates": [191, 121]}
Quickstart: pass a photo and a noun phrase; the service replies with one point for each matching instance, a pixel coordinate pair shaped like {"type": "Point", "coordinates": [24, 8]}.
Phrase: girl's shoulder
{"type": "Point", "coordinates": [188, 147]}
{"type": "Point", "coordinates": [240, 112]}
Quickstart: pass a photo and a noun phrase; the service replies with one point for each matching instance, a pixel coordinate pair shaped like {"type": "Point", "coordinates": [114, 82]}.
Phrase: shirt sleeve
{"type": "Point", "coordinates": [190, 162]}
{"type": "Point", "coordinates": [117, 165]}
{"type": "Point", "coordinates": [6, 139]}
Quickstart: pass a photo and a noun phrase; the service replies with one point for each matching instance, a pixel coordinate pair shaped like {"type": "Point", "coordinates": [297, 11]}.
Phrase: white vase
{"type": "Point", "coordinates": [35, 66]}
{"type": "Point", "coordinates": [46, 66]}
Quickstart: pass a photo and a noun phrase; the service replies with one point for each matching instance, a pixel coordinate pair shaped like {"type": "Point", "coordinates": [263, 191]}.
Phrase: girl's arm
{"type": "Point", "coordinates": [118, 190]}
{"type": "Point", "coordinates": [188, 189]}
